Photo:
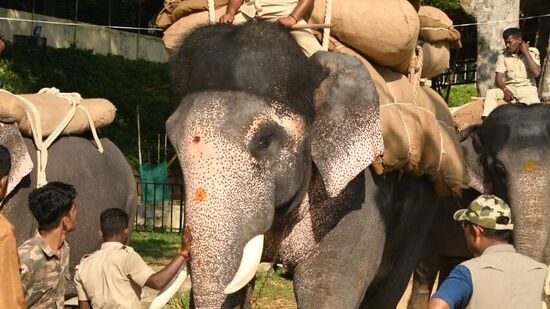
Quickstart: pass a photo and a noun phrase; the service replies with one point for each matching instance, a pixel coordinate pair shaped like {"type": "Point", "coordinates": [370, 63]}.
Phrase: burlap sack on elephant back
{"type": "Point", "coordinates": [419, 138]}
{"type": "Point", "coordinates": [436, 29]}
{"type": "Point", "coordinates": [173, 10]}
{"type": "Point", "coordinates": [469, 114]}
{"type": "Point", "coordinates": [384, 31]}
{"type": "Point", "coordinates": [177, 31]}
{"type": "Point", "coordinates": [52, 110]}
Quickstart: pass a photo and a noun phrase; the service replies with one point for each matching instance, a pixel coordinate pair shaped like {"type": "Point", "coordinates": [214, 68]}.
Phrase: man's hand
{"type": "Point", "coordinates": [508, 95]}
{"type": "Point", "coordinates": [186, 239]}
{"type": "Point", "coordinates": [226, 18]}
{"type": "Point", "coordinates": [524, 47]}
{"type": "Point", "coordinates": [287, 21]}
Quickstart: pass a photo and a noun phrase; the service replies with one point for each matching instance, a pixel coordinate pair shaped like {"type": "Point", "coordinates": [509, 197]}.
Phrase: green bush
{"type": "Point", "coordinates": [126, 83]}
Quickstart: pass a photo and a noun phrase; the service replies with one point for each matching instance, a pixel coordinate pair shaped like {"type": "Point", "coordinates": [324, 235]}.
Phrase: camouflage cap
{"type": "Point", "coordinates": [487, 211]}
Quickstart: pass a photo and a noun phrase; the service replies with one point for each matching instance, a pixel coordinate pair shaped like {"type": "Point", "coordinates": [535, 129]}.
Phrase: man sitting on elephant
{"type": "Point", "coordinates": [498, 277]}
{"type": "Point", "coordinates": [286, 13]}
{"type": "Point", "coordinates": [113, 276]}
{"type": "Point", "coordinates": [11, 295]}
{"type": "Point", "coordinates": [45, 257]}
{"type": "Point", "coordinates": [517, 67]}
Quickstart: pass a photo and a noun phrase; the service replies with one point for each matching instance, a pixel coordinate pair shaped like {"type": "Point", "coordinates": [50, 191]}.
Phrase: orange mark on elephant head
{"type": "Point", "coordinates": [530, 165]}
{"type": "Point", "coordinates": [200, 194]}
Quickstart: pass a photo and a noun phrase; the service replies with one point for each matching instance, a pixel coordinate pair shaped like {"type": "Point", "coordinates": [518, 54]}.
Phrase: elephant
{"type": "Point", "coordinates": [275, 151]}
{"type": "Point", "coordinates": [508, 155]}
{"type": "Point", "coordinates": [101, 180]}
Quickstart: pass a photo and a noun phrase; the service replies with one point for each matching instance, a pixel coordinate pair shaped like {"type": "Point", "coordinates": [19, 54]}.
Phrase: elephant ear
{"type": "Point", "coordinates": [472, 149]}
{"type": "Point", "coordinates": [346, 131]}
{"type": "Point", "coordinates": [21, 163]}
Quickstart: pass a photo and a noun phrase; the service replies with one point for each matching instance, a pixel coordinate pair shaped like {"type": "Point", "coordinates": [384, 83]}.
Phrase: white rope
{"type": "Point", "coordinates": [415, 72]}
{"type": "Point", "coordinates": [328, 20]}
{"type": "Point", "coordinates": [211, 12]}
{"type": "Point", "coordinates": [33, 116]}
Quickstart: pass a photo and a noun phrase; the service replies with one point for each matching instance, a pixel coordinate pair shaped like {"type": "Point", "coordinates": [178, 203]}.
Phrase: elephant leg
{"type": "Point", "coordinates": [446, 264]}
{"type": "Point", "coordinates": [409, 216]}
{"type": "Point", "coordinates": [338, 272]}
{"type": "Point", "coordinates": [424, 277]}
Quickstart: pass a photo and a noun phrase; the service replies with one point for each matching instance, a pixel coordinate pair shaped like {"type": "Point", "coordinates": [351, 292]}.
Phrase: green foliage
{"type": "Point", "coordinates": [126, 83]}
{"type": "Point", "coordinates": [155, 246]}
{"type": "Point", "coordinates": [461, 94]}
{"type": "Point", "coordinates": [442, 4]}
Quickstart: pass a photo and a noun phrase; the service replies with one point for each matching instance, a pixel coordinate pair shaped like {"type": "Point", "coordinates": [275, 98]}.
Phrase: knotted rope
{"type": "Point", "coordinates": [415, 71]}
{"type": "Point", "coordinates": [35, 122]}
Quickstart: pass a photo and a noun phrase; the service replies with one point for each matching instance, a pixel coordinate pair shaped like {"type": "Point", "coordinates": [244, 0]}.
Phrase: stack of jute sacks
{"type": "Point", "coordinates": [418, 131]}
{"type": "Point", "coordinates": [436, 30]}
{"type": "Point", "coordinates": [469, 114]}
{"type": "Point", "coordinates": [52, 109]}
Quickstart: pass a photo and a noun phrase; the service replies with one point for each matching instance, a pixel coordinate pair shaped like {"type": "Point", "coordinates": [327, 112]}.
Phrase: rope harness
{"type": "Point", "coordinates": [35, 122]}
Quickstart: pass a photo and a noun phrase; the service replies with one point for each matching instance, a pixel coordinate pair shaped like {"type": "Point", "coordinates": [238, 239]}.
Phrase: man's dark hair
{"type": "Point", "coordinates": [514, 32]}
{"type": "Point", "coordinates": [50, 203]}
{"type": "Point", "coordinates": [5, 161]}
{"type": "Point", "coordinates": [113, 221]}
{"type": "Point", "coordinates": [502, 235]}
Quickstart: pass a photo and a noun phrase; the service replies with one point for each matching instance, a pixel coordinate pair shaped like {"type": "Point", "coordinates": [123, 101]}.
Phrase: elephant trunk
{"type": "Point", "coordinates": [529, 197]}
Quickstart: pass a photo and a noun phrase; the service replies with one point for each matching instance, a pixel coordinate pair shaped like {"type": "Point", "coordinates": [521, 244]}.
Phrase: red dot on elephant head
{"type": "Point", "coordinates": [196, 139]}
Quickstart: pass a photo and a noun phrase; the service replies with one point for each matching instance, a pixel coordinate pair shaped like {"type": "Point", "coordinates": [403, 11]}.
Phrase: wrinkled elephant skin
{"type": "Point", "coordinates": [280, 148]}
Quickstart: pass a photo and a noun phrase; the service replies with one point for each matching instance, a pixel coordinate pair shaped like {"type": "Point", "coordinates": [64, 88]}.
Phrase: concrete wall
{"type": "Point", "coordinates": [100, 40]}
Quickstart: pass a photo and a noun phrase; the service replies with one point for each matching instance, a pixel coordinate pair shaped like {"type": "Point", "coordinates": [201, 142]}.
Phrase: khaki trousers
{"type": "Point", "coordinates": [304, 37]}
{"type": "Point", "coordinates": [524, 94]}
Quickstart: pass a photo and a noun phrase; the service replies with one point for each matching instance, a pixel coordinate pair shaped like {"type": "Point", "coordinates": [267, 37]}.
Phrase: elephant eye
{"type": "Point", "coordinates": [266, 141]}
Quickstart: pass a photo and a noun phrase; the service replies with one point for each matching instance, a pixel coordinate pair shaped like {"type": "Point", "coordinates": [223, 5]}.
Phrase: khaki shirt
{"type": "Point", "coordinates": [267, 9]}
{"type": "Point", "coordinates": [503, 278]}
{"type": "Point", "coordinates": [11, 294]}
{"type": "Point", "coordinates": [112, 277]}
{"type": "Point", "coordinates": [515, 68]}
{"type": "Point", "coordinates": [43, 273]}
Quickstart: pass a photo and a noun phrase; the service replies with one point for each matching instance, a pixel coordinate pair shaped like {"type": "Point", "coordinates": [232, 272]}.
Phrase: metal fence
{"type": "Point", "coordinates": [160, 207]}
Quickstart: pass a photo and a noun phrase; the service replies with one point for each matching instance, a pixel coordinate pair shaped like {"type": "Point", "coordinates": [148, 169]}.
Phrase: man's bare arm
{"type": "Point", "coordinates": [232, 9]}
{"type": "Point", "coordinates": [84, 304]}
{"type": "Point", "coordinates": [437, 303]}
{"type": "Point", "coordinates": [499, 81]}
{"type": "Point", "coordinates": [531, 64]}
{"type": "Point", "coordinates": [298, 13]}
{"type": "Point", "coordinates": [161, 278]}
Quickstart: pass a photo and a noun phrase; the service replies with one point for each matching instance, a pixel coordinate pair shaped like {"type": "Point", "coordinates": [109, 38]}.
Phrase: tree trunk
{"type": "Point", "coordinates": [493, 16]}
{"type": "Point", "coordinates": [544, 85]}
{"type": "Point", "coordinates": [544, 88]}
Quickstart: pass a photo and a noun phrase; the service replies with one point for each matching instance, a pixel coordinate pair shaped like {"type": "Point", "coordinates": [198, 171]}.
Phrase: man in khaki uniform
{"type": "Point", "coordinates": [113, 276]}
{"type": "Point", "coordinates": [517, 67]}
{"type": "Point", "coordinates": [287, 13]}
{"type": "Point", "coordinates": [498, 277]}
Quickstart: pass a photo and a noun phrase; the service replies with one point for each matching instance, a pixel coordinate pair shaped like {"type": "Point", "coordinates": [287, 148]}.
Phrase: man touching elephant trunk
{"type": "Point", "coordinates": [114, 276]}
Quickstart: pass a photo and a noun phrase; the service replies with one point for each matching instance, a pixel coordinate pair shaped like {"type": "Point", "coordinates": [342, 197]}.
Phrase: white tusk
{"type": "Point", "coordinates": [252, 254]}
{"type": "Point", "coordinates": [170, 289]}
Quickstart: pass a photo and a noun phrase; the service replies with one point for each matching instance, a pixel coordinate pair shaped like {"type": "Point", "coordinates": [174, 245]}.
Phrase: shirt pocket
{"type": "Point", "coordinates": [510, 74]}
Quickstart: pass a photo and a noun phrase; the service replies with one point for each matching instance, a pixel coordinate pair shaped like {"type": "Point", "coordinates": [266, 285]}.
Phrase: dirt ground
{"type": "Point", "coordinates": [149, 294]}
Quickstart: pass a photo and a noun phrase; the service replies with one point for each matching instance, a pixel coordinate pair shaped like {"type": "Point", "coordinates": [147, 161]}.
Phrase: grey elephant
{"type": "Point", "coordinates": [509, 156]}
{"type": "Point", "coordinates": [101, 180]}
{"type": "Point", "coordinates": [274, 149]}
